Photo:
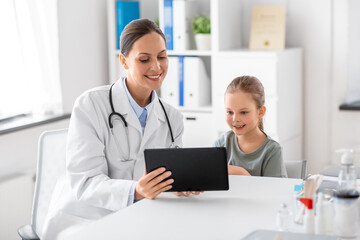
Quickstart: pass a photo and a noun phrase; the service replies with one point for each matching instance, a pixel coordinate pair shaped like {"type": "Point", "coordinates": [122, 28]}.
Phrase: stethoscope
{"type": "Point", "coordinates": [113, 113]}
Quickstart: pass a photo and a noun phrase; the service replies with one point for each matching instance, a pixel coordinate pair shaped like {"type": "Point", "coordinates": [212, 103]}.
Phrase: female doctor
{"type": "Point", "coordinates": [109, 129]}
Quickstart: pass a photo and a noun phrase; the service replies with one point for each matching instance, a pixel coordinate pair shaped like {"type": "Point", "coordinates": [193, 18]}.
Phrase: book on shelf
{"type": "Point", "coordinates": [125, 12]}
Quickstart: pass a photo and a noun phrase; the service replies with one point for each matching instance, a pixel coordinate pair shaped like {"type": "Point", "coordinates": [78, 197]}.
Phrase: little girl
{"type": "Point", "coordinates": [249, 150]}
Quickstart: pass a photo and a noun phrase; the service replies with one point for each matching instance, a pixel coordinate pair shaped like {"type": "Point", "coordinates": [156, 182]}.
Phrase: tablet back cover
{"type": "Point", "coordinates": [193, 169]}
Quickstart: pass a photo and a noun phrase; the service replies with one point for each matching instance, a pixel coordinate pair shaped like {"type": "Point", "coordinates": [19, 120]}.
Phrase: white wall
{"type": "Point", "coordinates": [82, 47]}
{"type": "Point", "coordinates": [345, 125]}
{"type": "Point", "coordinates": [310, 26]}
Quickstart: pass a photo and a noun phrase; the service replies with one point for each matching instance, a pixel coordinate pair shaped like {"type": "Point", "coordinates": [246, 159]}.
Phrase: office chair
{"type": "Point", "coordinates": [296, 169]}
{"type": "Point", "coordinates": [50, 165]}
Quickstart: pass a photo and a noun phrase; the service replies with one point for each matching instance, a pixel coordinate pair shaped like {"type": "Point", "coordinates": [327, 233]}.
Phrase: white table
{"type": "Point", "coordinates": [250, 204]}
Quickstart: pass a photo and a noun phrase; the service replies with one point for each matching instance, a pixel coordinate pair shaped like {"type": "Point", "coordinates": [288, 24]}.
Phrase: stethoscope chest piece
{"type": "Point", "coordinates": [172, 145]}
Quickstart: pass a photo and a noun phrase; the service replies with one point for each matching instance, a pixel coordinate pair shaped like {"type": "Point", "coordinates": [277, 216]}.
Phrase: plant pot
{"type": "Point", "coordinates": [203, 41]}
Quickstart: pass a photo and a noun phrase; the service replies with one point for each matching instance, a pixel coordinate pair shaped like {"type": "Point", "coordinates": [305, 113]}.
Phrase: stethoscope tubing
{"type": "Point", "coordinates": [114, 113]}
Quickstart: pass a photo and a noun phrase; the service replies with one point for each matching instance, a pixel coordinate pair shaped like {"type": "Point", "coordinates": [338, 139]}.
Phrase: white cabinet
{"type": "Point", "coordinates": [198, 131]}
{"type": "Point", "coordinates": [281, 75]}
{"type": "Point", "coordinates": [279, 71]}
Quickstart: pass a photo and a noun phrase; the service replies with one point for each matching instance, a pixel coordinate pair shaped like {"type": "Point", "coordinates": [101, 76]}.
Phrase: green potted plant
{"type": "Point", "coordinates": [202, 31]}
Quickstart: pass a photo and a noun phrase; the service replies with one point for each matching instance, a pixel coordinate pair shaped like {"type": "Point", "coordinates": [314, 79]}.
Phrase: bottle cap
{"type": "Point", "coordinates": [297, 188]}
{"type": "Point", "coordinates": [347, 156]}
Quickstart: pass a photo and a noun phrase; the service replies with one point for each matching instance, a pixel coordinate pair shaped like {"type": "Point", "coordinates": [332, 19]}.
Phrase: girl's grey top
{"type": "Point", "coordinates": [264, 161]}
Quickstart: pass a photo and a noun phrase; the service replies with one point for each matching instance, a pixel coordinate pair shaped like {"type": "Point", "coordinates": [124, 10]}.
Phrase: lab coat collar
{"type": "Point", "coordinates": [122, 106]}
{"type": "Point", "coordinates": [153, 122]}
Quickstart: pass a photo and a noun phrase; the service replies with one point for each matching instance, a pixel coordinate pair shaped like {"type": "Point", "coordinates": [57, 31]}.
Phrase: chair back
{"type": "Point", "coordinates": [296, 169]}
{"type": "Point", "coordinates": [50, 166]}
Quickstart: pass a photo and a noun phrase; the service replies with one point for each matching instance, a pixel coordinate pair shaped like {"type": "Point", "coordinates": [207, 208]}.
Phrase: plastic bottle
{"type": "Point", "coordinates": [309, 221]}
{"type": "Point", "coordinates": [283, 218]}
{"type": "Point", "coordinates": [320, 221]}
{"type": "Point", "coordinates": [347, 175]}
{"type": "Point", "coordinates": [328, 207]}
{"type": "Point", "coordinates": [296, 201]}
{"type": "Point", "coordinates": [346, 214]}
{"type": "Point", "coordinates": [346, 197]}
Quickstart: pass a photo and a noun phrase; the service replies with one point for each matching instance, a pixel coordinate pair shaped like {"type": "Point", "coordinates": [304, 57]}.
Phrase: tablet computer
{"type": "Point", "coordinates": [193, 169]}
{"type": "Point", "coordinates": [272, 234]}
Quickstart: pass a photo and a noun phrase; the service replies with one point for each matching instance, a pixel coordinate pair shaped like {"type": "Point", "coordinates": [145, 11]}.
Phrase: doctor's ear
{"type": "Point", "coordinates": [123, 60]}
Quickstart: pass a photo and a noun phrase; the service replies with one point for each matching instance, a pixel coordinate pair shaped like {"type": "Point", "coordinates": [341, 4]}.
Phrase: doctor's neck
{"type": "Point", "coordinates": [141, 95]}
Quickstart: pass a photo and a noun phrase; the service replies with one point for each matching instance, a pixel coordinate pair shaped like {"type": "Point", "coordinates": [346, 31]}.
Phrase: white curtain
{"type": "Point", "coordinates": [30, 73]}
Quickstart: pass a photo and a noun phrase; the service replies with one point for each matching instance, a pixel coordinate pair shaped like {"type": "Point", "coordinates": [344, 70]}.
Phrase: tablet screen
{"type": "Point", "coordinates": [193, 169]}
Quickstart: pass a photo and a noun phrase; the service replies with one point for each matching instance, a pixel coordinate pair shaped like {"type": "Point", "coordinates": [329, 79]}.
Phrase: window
{"type": "Point", "coordinates": [29, 76]}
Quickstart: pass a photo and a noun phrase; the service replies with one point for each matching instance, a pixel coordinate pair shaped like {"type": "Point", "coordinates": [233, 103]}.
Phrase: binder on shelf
{"type": "Point", "coordinates": [125, 12]}
{"type": "Point", "coordinates": [172, 89]}
{"type": "Point", "coordinates": [175, 18]}
{"type": "Point", "coordinates": [183, 13]}
{"type": "Point", "coordinates": [166, 21]}
{"type": "Point", "coordinates": [181, 81]}
{"type": "Point", "coordinates": [170, 86]}
{"type": "Point", "coordinates": [196, 83]}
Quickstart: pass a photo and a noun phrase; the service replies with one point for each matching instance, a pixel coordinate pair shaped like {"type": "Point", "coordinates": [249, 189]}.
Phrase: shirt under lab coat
{"type": "Point", "coordinates": [100, 170]}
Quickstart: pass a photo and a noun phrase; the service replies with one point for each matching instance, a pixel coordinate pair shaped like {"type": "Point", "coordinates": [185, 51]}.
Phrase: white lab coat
{"type": "Point", "coordinates": [99, 173]}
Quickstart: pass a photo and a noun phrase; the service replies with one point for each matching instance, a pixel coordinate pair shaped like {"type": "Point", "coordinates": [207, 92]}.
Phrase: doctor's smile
{"type": "Point", "coordinates": [154, 77]}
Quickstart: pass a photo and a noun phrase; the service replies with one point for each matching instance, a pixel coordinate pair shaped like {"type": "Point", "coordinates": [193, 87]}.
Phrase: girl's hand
{"type": "Point", "coordinates": [235, 170]}
{"type": "Point", "coordinates": [150, 185]}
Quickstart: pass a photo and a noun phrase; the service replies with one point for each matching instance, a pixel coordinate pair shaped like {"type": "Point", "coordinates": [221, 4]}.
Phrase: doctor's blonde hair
{"type": "Point", "coordinates": [135, 30]}
{"type": "Point", "coordinates": [252, 85]}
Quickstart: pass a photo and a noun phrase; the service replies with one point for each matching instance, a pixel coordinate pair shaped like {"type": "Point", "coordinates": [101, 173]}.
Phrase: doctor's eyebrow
{"type": "Point", "coordinates": [241, 109]}
{"type": "Point", "coordinates": [145, 53]}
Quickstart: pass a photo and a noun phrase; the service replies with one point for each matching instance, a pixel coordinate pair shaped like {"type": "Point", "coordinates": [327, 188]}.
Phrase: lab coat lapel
{"type": "Point", "coordinates": [154, 121]}
{"type": "Point", "coordinates": [122, 106]}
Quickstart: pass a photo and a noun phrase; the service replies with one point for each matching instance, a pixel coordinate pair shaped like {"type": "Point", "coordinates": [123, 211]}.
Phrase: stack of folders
{"type": "Point", "coordinates": [175, 18]}
{"type": "Point", "coordinates": [125, 12]}
{"type": "Point", "coordinates": [187, 83]}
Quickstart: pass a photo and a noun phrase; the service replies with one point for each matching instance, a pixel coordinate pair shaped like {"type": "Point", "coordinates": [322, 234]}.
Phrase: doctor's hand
{"type": "Point", "coordinates": [150, 185]}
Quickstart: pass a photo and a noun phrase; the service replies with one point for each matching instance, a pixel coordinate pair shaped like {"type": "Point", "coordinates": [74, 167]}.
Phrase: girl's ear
{"type": "Point", "coordinates": [123, 60]}
{"type": "Point", "coordinates": [262, 111]}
